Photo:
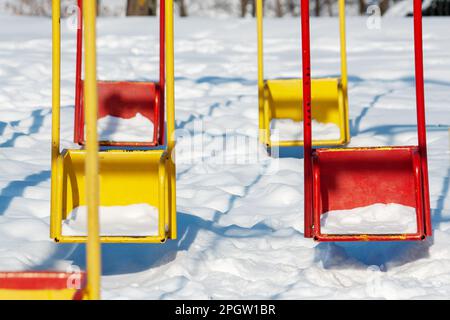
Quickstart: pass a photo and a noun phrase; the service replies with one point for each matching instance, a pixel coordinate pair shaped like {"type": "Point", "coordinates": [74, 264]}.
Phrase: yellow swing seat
{"type": "Point", "coordinates": [126, 177]}
{"type": "Point", "coordinates": [283, 100]}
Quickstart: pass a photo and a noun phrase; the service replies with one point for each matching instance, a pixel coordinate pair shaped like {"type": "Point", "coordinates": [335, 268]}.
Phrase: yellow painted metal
{"type": "Point", "coordinates": [282, 98]}
{"type": "Point", "coordinates": [126, 177]}
{"type": "Point", "coordinates": [170, 92]}
{"type": "Point", "coordinates": [260, 33]}
{"type": "Point", "coordinates": [56, 98]}
{"type": "Point", "coordinates": [64, 294]}
{"type": "Point", "coordinates": [91, 191]}
{"type": "Point", "coordinates": [281, 101]}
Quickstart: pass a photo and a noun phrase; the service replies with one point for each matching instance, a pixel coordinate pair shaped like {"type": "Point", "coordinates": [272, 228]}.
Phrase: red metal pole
{"type": "Point", "coordinates": [162, 67]}
{"type": "Point", "coordinates": [420, 101]}
{"type": "Point", "coordinates": [307, 134]}
{"type": "Point", "coordinates": [78, 109]}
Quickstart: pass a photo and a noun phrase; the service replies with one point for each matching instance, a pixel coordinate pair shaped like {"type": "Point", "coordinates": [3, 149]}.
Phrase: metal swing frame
{"type": "Point", "coordinates": [340, 179]}
{"type": "Point", "coordinates": [127, 176]}
{"type": "Point", "coordinates": [280, 98]}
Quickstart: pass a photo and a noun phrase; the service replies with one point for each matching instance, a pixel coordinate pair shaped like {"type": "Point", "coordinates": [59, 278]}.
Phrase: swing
{"type": "Point", "coordinates": [279, 99]}
{"type": "Point", "coordinates": [128, 176]}
{"type": "Point", "coordinates": [349, 178]}
{"type": "Point", "coordinates": [124, 99]}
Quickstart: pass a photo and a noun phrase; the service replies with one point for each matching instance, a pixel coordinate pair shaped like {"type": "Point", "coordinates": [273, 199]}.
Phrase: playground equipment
{"type": "Point", "coordinates": [347, 178]}
{"type": "Point", "coordinates": [128, 176]}
{"type": "Point", "coordinates": [125, 99]}
{"type": "Point", "coordinates": [281, 98]}
{"type": "Point", "coordinates": [38, 285]}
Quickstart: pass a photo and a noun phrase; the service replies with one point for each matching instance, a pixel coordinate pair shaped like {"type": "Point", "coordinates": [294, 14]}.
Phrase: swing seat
{"type": "Point", "coordinates": [39, 285]}
{"type": "Point", "coordinates": [127, 177]}
{"type": "Point", "coordinates": [283, 100]}
{"type": "Point", "coordinates": [125, 100]}
{"type": "Point", "coordinates": [345, 179]}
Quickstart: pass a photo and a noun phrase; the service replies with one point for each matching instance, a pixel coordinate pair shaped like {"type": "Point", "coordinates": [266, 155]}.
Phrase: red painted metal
{"type": "Point", "coordinates": [78, 82]}
{"type": "Point", "coordinates": [125, 99]}
{"type": "Point", "coordinates": [43, 280]}
{"type": "Point", "coordinates": [306, 60]}
{"type": "Point", "coordinates": [358, 177]}
{"type": "Point", "coordinates": [340, 179]}
{"type": "Point", "coordinates": [420, 102]}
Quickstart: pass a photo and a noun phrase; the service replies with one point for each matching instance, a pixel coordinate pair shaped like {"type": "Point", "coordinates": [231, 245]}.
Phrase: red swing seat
{"type": "Point", "coordinates": [124, 99]}
{"type": "Point", "coordinates": [348, 178]}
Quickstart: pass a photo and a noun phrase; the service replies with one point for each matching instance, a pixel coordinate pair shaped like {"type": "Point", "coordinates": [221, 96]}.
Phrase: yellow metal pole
{"type": "Point", "coordinates": [342, 31]}
{"type": "Point", "coordinates": [92, 182]}
{"type": "Point", "coordinates": [170, 91]}
{"type": "Point", "coordinates": [56, 100]}
{"type": "Point", "coordinates": [170, 75]}
{"type": "Point", "coordinates": [259, 18]}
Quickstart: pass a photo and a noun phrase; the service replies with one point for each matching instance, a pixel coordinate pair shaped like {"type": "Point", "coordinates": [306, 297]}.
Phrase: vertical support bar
{"type": "Point", "coordinates": [260, 33]}
{"type": "Point", "coordinates": [342, 31]}
{"type": "Point", "coordinates": [170, 103]}
{"type": "Point", "coordinates": [162, 68]}
{"type": "Point", "coordinates": [56, 103]}
{"type": "Point", "coordinates": [92, 183]}
{"type": "Point", "coordinates": [78, 109]}
{"type": "Point", "coordinates": [420, 101]}
{"type": "Point", "coordinates": [307, 134]}
{"type": "Point", "coordinates": [344, 72]}
{"type": "Point", "coordinates": [170, 76]}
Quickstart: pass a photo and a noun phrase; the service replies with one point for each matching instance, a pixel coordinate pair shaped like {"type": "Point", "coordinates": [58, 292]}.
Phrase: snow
{"type": "Point", "coordinates": [240, 218]}
{"type": "Point", "coordinates": [131, 220]}
{"type": "Point", "coordinates": [290, 130]}
{"type": "Point", "coordinates": [136, 129]}
{"type": "Point", "coordinates": [378, 218]}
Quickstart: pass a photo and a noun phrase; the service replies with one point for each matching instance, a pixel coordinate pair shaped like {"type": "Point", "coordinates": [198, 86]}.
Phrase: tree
{"type": "Point", "coordinates": [244, 4]}
{"type": "Point", "coordinates": [317, 8]}
{"type": "Point", "coordinates": [291, 7]}
{"type": "Point", "coordinates": [138, 7]}
{"type": "Point", "coordinates": [384, 6]}
{"type": "Point", "coordinates": [362, 7]}
{"type": "Point", "coordinates": [183, 8]}
{"type": "Point", "coordinates": [153, 10]}
{"type": "Point", "coordinates": [330, 7]}
{"type": "Point", "coordinates": [279, 9]}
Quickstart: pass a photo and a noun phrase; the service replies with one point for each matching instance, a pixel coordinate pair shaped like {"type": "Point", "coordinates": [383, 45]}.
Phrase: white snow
{"type": "Point", "coordinates": [136, 129]}
{"type": "Point", "coordinates": [290, 130]}
{"type": "Point", "coordinates": [131, 220]}
{"type": "Point", "coordinates": [240, 224]}
{"type": "Point", "coordinates": [378, 218]}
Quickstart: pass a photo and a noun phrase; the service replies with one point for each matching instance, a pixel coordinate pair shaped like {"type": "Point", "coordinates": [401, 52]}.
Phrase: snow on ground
{"type": "Point", "coordinates": [240, 223]}
{"type": "Point", "coordinates": [132, 220]}
{"type": "Point", "coordinates": [138, 128]}
{"type": "Point", "coordinates": [378, 218]}
{"type": "Point", "coordinates": [290, 130]}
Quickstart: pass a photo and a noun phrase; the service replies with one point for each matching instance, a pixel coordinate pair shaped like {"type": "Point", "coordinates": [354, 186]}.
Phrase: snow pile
{"type": "Point", "coordinates": [290, 130]}
{"type": "Point", "coordinates": [131, 220]}
{"type": "Point", "coordinates": [378, 218]}
{"type": "Point", "coordinates": [136, 129]}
